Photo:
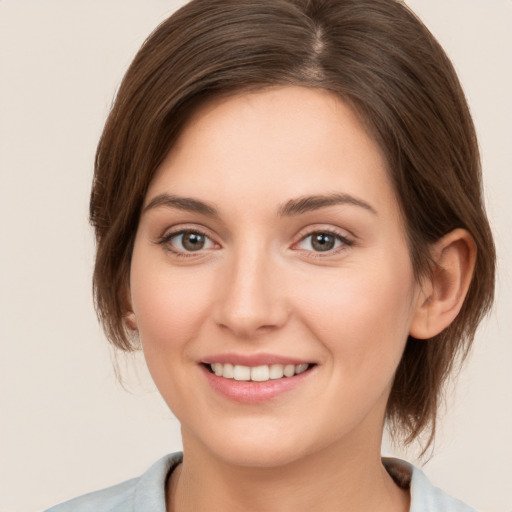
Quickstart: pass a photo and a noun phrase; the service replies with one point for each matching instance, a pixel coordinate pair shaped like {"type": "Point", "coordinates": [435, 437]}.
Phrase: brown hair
{"type": "Point", "coordinates": [377, 56]}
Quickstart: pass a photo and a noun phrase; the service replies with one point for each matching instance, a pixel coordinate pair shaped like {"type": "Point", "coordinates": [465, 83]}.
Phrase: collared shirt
{"type": "Point", "coordinates": [147, 493]}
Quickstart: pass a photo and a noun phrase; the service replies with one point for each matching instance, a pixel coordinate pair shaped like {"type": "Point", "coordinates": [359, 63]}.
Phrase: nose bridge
{"type": "Point", "coordinates": [251, 300]}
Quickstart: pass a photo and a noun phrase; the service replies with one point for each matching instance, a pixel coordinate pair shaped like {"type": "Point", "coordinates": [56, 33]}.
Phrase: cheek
{"type": "Point", "coordinates": [169, 306]}
{"type": "Point", "coordinates": [170, 311]}
{"type": "Point", "coordinates": [363, 313]}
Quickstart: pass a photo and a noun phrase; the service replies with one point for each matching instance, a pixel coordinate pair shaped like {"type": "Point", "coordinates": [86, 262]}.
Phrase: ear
{"type": "Point", "coordinates": [130, 320]}
{"type": "Point", "coordinates": [444, 290]}
{"type": "Point", "coordinates": [129, 317]}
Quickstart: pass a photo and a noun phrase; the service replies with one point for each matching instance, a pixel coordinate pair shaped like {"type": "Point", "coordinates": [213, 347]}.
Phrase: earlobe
{"type": "Point", "coordinates": [131, 321]}
{"type": "Point", "coordinates": [444, 290]}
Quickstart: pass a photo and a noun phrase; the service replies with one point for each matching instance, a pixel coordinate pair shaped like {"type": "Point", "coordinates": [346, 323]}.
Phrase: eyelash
{"type": "Point", "coordinates": [345, 242]}
{"type": "Point", "coordinates": [166, 239]}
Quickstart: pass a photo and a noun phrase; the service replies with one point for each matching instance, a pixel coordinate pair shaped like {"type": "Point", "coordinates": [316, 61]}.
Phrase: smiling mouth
{"type": "Point", "coordinates": [259, 373]}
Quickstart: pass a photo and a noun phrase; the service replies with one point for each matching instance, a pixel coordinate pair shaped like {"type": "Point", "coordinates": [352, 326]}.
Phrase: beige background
{"type": "Point", "coordinates": [67, 426]}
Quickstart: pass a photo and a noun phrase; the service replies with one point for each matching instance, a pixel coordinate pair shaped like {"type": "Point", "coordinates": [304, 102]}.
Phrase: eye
{"type": "Point", "coordinates": [323, 241]}
{"type": "Point", "coordinates": [187, 240]}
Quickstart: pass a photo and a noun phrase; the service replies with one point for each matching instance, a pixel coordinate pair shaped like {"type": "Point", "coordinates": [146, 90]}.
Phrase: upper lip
{"type": "Point", "coordinates": [253, 359]}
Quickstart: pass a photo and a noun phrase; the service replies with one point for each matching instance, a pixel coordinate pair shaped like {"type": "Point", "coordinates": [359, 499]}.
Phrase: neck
{"type": "Point", "coordinates": [337, 479]}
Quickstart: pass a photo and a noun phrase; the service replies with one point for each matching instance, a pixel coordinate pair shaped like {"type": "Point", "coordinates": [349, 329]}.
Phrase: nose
{"type": "Point", "coordinates": [252, 298]}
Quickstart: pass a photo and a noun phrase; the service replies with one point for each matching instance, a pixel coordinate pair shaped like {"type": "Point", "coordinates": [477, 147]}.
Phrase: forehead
{"type": "Point", "coordinates": [272, 145]}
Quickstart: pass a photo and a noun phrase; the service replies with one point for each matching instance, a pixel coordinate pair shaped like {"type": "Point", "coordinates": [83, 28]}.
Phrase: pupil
{"type": "Point", "coordinates": [193, 241]}
{"type": "Point", "coordinates": [323, 242]}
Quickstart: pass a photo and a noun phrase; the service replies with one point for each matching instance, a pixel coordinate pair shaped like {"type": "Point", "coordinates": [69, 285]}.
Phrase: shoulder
{"type": "Point", "coordinates": [145, 493]}
{"type": "Point", "coordinates": [110, 499]}
{"type": "Point", "coordinates": [425, 497]}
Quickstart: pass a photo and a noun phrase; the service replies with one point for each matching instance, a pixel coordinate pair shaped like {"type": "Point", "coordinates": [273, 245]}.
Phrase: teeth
{"type": "Point", "coordinates": [257, 373]}
{"type": "Point", "coordinates": [289, 370]}
{"type": "Point", "coordinates": [228, 371]}
{"type": "Point", "coordinates": [260, 373]}
{"type": "Point", "coordinates": [301, 368]}
{"type": "Point", "coordinates": [241, 372]}
{"type": "Point", "coordinates": [276, 371]}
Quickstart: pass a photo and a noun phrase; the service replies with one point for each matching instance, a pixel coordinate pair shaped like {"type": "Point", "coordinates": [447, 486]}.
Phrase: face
{"type": "Point", "coordinates": [271, 283]}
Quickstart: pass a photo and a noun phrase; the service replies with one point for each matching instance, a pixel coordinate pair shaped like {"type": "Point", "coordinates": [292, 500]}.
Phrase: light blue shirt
{"type": "Point", "coordinates": [147, 493]}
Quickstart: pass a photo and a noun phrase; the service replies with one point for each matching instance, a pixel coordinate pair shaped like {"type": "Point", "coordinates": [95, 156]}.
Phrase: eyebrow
{"type": "Point", "coordinates": [290, 208]}
{"type": "Point", "coordinates": [188, 204]}
{"type": "Point", "coordinates": [309, 203]}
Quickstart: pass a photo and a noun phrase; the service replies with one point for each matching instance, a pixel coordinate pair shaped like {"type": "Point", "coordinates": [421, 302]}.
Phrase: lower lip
{"type": "Point", "coordinates": [253, 392]}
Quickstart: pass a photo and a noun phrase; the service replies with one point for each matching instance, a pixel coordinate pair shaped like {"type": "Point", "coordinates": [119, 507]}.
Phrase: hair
{"type": "Point", "coordinates": [377, 56]}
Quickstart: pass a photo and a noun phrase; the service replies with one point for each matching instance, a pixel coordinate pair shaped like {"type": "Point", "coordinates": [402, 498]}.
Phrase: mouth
{"type": "Point", "coordinates": [260, 373]}
{"type": "Point", "coordinates": [256, 378]}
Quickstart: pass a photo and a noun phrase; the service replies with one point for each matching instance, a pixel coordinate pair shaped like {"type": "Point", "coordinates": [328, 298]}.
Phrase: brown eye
{"type": "Point", "coordinates": [323, 241]}
{"type": "Point", "coordinates": [188, 241]}
{"type": "Point", "coordinates": [192, 241]}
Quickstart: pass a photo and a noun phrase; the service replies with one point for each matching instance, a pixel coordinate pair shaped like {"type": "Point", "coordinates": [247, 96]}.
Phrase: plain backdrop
{"type": "Point", "coordinates": [67, 425]}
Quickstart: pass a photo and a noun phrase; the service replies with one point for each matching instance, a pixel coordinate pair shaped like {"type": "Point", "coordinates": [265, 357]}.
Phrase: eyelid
{"type": "Point", "coordinates": [347, 240]}
{"type": "Point", "coordinates": [175, 231]}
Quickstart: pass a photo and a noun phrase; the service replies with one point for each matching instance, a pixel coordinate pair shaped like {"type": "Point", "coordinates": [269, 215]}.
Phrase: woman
{"type": "Point", "coordinates": [288, 211]}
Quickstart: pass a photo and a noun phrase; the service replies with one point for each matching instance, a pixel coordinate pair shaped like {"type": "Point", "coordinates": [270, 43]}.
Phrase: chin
{"type": "Point", "coordinates": [253, 445]}
{"type": "Point", "coordinates": [259, 455]}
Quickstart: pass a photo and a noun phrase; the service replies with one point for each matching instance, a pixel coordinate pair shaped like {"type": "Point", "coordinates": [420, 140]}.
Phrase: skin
{"type": "Point", "coordinates": [258, 285]}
